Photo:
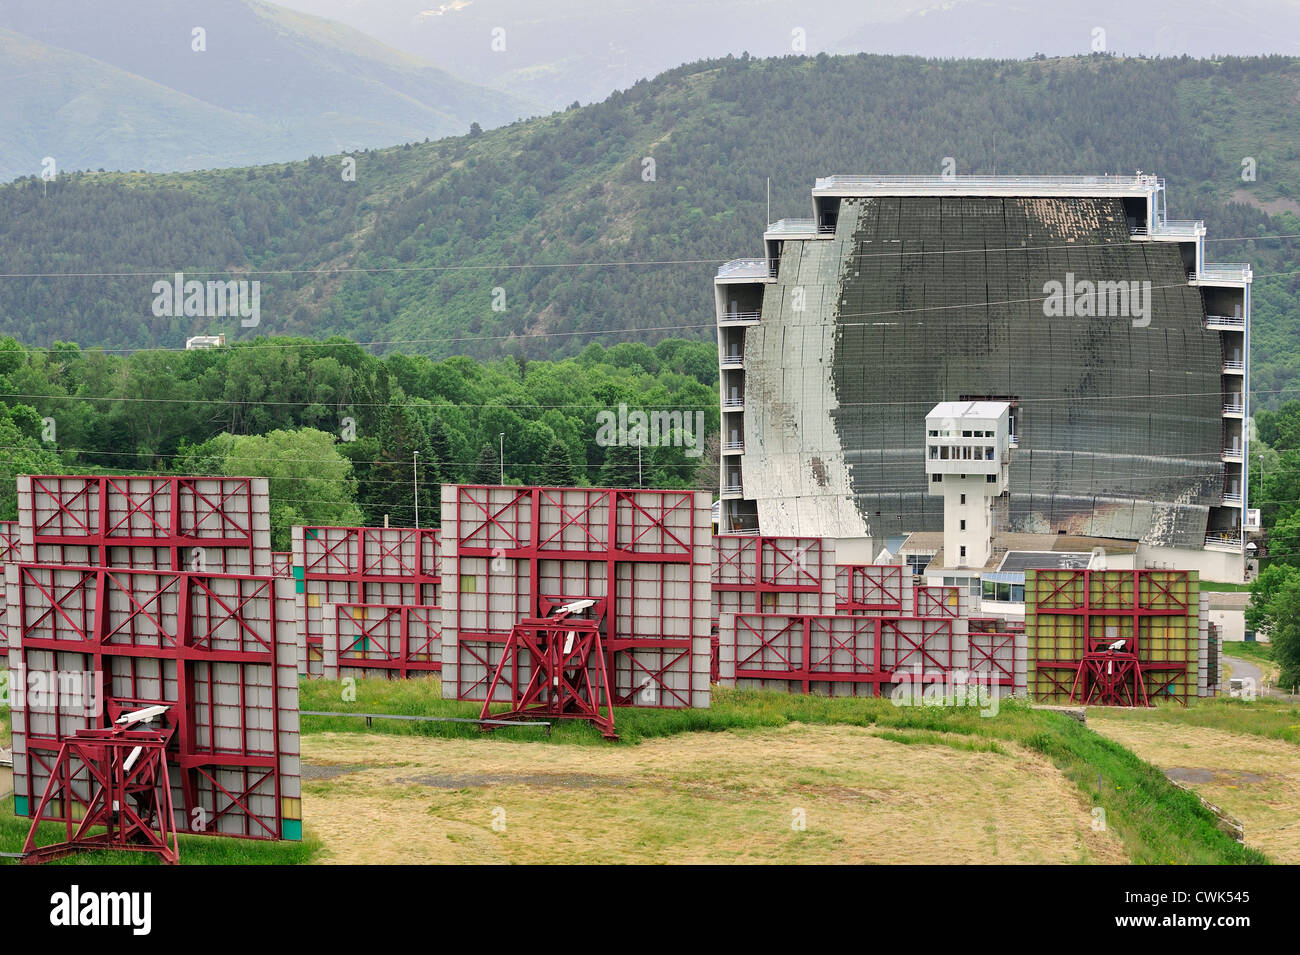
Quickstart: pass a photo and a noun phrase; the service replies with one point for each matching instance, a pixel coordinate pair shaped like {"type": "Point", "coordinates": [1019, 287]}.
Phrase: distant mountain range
{"type": "Point", "coordinates": [162, 85]}
{"type": "Point", "coordinates": [559, 51]}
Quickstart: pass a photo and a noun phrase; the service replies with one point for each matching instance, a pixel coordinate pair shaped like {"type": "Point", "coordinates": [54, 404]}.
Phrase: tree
{"type": "Point", "coordinates": [1284, 611]}
{"type": "Point", "coordinates": [309, 481]}
{"type": "Point", "coordinates": [557, 467]}
{"type": "Point", "coordinates": [487, 470]}
{"type": "Point", "coordinates": [390, 487]}
{"type": "Point", "coordinates": [1262, 593]}
{"type": "Point", "coordinates": [22, 452]}
{"type": "Point", "coordinates": [621, 465]}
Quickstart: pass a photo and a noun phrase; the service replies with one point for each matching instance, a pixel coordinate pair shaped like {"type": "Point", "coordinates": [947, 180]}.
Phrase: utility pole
{"type": "Point", "coordinates": [415, 483]}
{"type": "Point", "coordinates": [503, 458]}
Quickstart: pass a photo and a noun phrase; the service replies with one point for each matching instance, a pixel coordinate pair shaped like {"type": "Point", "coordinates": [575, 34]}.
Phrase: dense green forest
{"type": "Point", "coordinates": [1275, 490]}
{"type": "Point", "coordinates": [337, 430]}
{"type": "Point", "coordinates": [407, 255]}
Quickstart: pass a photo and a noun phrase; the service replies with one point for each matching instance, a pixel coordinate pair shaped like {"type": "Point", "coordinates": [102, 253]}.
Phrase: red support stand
{"type": "Point", "coordinates": [130, 796]}
{"type": "Point", "coordinates": [1109, 679]}
{"type": "Point", "coordinates": [567, 678]}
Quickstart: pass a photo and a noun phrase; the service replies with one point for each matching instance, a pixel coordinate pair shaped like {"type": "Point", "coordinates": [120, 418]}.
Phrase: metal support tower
{"type": "Point", "coordinates": [124, 768]}
{"type": "Point", "coordinates": [565, 661]}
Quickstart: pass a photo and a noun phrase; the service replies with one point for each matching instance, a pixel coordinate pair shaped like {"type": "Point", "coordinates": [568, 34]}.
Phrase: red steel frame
{"type": "Point", "coordinates": [499, 533]}
{"type": "Point", "coordinates": [876, 649]}
{"type": "Point", "coordinates": [367, 639]}
{"type": "Point", "coordinates": [770, 565]}
{"type": "Point", "coordinates": [281, 563]}
{"type": "Point", "coordinates": [1103, 676]}
{"type": "Point", "coordinates": [357, 556]}
{"type": "Point", "coordinates": [192, 521]}
{"type": "Point", "coordinates": [985, 644]}
{"type": "Point", "coordinates": [207, 628]}
{"type": "Point", "coordinates": [869, 588]}
{"type": "Point", "coordinates": [8, 554]}
{"type": "Point", "coordinates": [938, 601]}
{"type": "Point", "coordinates": [131, 803]}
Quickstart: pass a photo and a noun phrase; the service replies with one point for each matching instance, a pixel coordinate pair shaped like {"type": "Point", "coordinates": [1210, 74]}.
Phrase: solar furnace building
{"type": "Point", "coordinates": [1123, 355]}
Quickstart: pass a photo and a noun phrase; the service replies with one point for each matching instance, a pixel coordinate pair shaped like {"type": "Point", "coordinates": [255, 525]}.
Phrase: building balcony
{"type": "Point", "coordinates": [1232, 367]}
{"type": "Point", "coordinates": [733, 447]}
{"type": "Point", "coordinates": [1231, 454]}
{"type": "Point", "coordinates": [1234, 408]}
{"type": "Point", "coordinates": [732, 361]}
{"type": "Point", "coordinates": [791, 228]}
{"type": "Point", "coordinates": [733, 404]}
{"type": "Point", "coordinates": [1232, 498]}
{"type": "Point", "coordinates": [731, 490]}
{"type": "Point", "coordinates": [1223, 540]}
{"type": "Point", "coordinates": [1228, 273]}
{"type": "Point", "coordinates": [746, 270]}
{"type": "Point", "coordinates": [1230, 322]}
{"type": "Point", "coordinates": [739, 318]}
{"type": "Point", "coordinates": [1177, 229]}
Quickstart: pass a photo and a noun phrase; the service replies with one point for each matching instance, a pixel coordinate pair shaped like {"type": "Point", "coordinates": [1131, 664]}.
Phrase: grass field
{"type": "Point", "coordinates": [194, 850]}
{"type": "Point", "coordinates": [1254, 776]}
{"type": "Point", "coordinates": [1249, 650]}
{"type": "Point", "coordinates": [799, 793]}
{"type": "Point", "coordinates": [874, 782]}
{"type": "Point", "coordinates": [1155, 821]}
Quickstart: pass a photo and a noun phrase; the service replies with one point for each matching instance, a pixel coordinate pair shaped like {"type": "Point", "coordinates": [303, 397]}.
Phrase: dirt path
{"type": "Point", "coordinates": [703, 797]}
{"type": "Point", "coordinates": [1253, 778]}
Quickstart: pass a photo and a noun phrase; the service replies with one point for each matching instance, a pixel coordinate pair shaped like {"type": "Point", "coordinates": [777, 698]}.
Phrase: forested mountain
{"type": "Point", "coordinates": [191, 84]}
{"type": "Point", "coordinates": [541, 237]}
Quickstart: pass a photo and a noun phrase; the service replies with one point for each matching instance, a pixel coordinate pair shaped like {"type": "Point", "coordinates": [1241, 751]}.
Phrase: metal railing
{"type": "Point", "coordinates": [733, 317]}
{"type": "Point", "coordinates": [1230, 453]}
{"type": "Point", "coordinates": [733, 446]}
{"type": "Point", "coordinates": [731, 489]}
{"type": "Point", "coordinates": [426, 719]}
{"type": "Point", "coordinates": [1222, 272]}
{"type": "Point", "coordinates": [1173, 227]}
{"type": "Point", "coordinates": [1225, 321]}
{"type": "Point", "coordinates": [733, 361]}
{"type": "Point", "coordinates": [1231, 365]}
{"type": "Point", "coordinates": [1223, 540]}
{"type": "Point", "coordinates": [1231, 498]}
{"type": "Point", "coordinates": [733, 402]}
{"type": "Point", "coordinates": [1234, 409]}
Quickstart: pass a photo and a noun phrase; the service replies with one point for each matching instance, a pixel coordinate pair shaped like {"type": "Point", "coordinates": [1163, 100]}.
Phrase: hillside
{"type": "Point", "coordinates": [122, 86]}
{"type": "Point", "coordinates": [413, 248]}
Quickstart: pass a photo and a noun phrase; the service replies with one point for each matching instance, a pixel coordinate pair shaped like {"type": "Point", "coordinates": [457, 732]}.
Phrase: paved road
{"type": "Point", "coordinates": [1245, 669]}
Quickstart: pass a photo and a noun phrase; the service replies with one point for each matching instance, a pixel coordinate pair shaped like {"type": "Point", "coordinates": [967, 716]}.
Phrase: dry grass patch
{"type": "Point", "coordinates": [1254, 778]}
{"type": "Point", "coordinates": [703, 798]}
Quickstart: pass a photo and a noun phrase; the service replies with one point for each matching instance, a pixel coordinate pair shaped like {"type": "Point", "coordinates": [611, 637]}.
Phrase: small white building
{"type": "Point", "coordinates": [204, 341]}
{"type": "Point", "coordinates": [967, 461]}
